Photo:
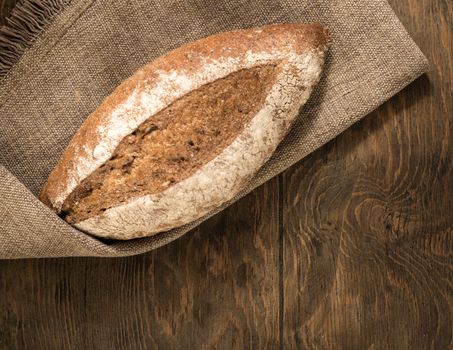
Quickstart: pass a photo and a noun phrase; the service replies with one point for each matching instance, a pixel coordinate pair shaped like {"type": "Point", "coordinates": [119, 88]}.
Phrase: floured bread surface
{"type": "Point", "coordinates": [186, 132]}
{"type": "Point", "coordinates": [174, 143]}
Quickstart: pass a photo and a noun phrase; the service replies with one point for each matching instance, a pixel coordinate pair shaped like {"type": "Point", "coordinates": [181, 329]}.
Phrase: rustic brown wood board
{"type": "Point", "coordinates": [351, 248]}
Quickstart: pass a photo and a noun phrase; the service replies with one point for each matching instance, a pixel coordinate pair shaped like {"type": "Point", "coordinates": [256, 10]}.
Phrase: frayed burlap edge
{"type": "Point", "coordinates": [25, 23]}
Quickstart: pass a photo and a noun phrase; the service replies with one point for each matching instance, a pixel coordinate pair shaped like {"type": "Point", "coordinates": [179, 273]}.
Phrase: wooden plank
{"type": "Point", "coordinates": [368, 219]}
{"type": "Point", "coordinates": [226, 279]}
{"type": "Point", "coordinates": [216, 288]}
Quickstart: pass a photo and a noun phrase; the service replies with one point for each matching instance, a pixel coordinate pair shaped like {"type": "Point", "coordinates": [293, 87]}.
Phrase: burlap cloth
{"type": "Point", "coordinates": [91, 46]}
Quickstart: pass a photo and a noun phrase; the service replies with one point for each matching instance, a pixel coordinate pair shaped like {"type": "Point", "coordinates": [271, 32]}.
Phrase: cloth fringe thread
{"type": "Point", "coordinates": [25, 23]}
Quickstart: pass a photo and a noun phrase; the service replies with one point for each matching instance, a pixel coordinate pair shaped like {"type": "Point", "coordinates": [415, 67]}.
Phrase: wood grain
{"type": "Point", "coordinates": [216, 288]}
{"type": "Point", "coordinates": [349, 249]}
{"type": "Point", "coordinates": [368, 239]}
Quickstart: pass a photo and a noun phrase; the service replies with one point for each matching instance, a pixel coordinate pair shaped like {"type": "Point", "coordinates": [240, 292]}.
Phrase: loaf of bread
{"type": "Point", "coordinates": [186, 132]}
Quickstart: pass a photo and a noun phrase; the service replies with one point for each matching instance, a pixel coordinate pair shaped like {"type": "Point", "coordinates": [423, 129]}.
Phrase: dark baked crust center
{"type": "Point", "coordinates": [172, 144]}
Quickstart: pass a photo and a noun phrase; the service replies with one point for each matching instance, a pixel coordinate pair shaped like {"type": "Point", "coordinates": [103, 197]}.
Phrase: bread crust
{"type": "Point", "coordinates": [298, 49]}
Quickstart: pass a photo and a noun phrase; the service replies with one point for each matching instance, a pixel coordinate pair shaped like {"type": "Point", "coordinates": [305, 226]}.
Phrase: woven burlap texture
{"type": "Point", "coordinates": [91, 46]}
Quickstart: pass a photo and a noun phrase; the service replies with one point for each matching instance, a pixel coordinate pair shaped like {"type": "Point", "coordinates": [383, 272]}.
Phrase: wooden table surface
{"type": "Point", "coordinates": [351, 248]}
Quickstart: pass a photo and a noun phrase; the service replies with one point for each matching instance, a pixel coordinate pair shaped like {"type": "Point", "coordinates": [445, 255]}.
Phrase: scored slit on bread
{"type": "Point", "coordinates": [174, 143]}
